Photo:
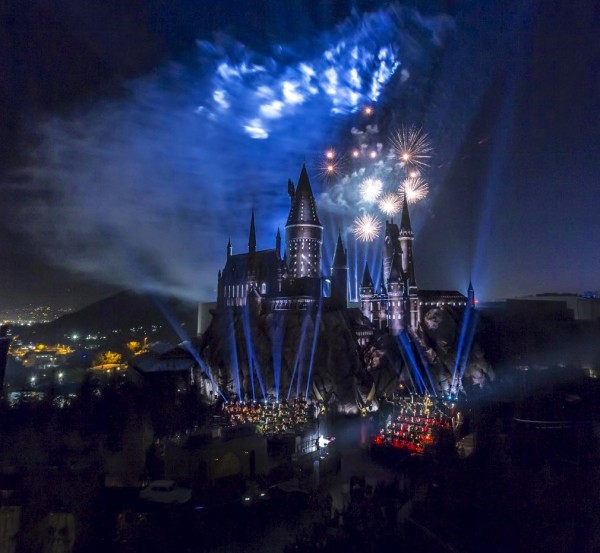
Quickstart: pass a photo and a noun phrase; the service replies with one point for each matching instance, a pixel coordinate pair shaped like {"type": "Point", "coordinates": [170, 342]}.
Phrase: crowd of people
{"type": "Point", "coordinates": [414, 424]}
{"type": "Point", "coordinates": [270, 417]}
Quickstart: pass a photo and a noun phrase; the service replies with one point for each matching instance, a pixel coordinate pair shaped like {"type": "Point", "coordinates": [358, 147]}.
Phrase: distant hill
{"type": "Point", "coordinates": [115, 316]}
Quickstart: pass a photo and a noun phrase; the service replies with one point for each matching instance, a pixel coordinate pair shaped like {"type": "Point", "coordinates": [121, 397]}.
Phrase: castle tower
{"type": "Point", "coordinates": [406, 244]}
{"type": "Point", "coordinates": [471, 295]}
{"type": "Point", "coordinates": [303, 239]}
{"type": "Point", "coordinates": [367, 294]}
{"type": "Point", "coordinates": [251, 267]}
{"type": "Point", "coordinates": [252, 236]}
{"type": "Point", "coordinates": [383, 302]}
{"type": "Point", "coordinates": [220, 290]}
{"type": "Point", "coordinates": [339, 273]}
{"type": "Point", "coordinates": [278, 244]}
{"type": "Point", "coordinates": [391, 246]}
{"type": "Point", "coordinates": [411, 303]}
{"type": "Point", "coordinates": [395, 299]}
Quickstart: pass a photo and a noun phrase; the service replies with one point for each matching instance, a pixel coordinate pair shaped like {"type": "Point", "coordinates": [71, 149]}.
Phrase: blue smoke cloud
{"type": "Point", "coordinates": [152, 184]}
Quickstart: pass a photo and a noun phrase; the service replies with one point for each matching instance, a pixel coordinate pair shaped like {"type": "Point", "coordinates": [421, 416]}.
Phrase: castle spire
{"type": "Point", "coordinates": [471, 295]}
{"type": "Point", "coordinates": [304, 237]}
{"type": "Point", "coordinates": [304, 207]}
{"type": "Point", "coordinates": [367, 281]}
{"type": "Point", "coordinates": [229, 248]}
{"type": "Point", "coordinates": [339, 273]}
{"type": "Point", "coordinates": [339, 256]}
{"type": "Point", "coordinates": [252, 236]}
{"type": "Point", "coordinates": [278, 243]}
{"type": "Point", "coordinates": [406, 239]}
{"type": "Point", "coordinates": [405, 226]}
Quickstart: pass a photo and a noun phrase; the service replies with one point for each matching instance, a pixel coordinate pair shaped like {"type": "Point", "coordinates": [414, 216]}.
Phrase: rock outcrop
{"type": "Point", "coordinates": [284, 349]}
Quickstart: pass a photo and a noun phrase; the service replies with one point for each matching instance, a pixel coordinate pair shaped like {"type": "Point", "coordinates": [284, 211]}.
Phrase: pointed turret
{"type": "Point", "coordinates": [406, 240]}
{"type": "Point", "coordinates": [304, 237]}
{"type": "Point", "coordinates": [471, 295]}
{"type": "Point", "coordinates": [367, 281]}
{"type": "Point", "coordinates": [405, 226]}
{"type": "Point", "coordinates": [339, 256]}
{"type": "Point", "coordinates": [252, 236]}
{"type": "Point", "coordinates": [304, 208]}
{"type": "Point", "coordinates": [278, 244]}
{"type": "Point", "coordinates": [339, 273]}
{"type": "Point", "coordinates": [367, 294]}
{"type": "Point", "coordinates": [229, 248]}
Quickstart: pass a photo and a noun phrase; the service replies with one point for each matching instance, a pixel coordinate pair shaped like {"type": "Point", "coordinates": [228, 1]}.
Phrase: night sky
{"type": "Point", "coordinates": [135, 138]}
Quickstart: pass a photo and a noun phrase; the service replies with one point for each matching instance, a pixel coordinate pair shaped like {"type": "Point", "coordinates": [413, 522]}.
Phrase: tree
{"type": "Point", "coordinates": [134, 347]}
{"type": "Point", "coordinates": [107, 358]}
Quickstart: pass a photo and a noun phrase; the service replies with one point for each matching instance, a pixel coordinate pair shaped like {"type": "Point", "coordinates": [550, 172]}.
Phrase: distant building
{"type": "Point", "coordinates": [580, 307]}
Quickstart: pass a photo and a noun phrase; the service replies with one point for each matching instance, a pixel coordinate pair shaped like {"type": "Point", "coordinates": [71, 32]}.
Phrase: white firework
{"type": "Point", "coordinates": [412, 147]}
{"type": "Point", "coordinates": [366, 227]}
{"type": "Point", "coordinates": [390, 204]}
{"type": "Point", "coordinates": [415, 189]}
{"type": "Point", "coordinates": [370, 189]}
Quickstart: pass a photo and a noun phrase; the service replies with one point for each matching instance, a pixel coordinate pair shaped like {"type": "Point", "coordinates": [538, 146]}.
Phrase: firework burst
{"type": "Point", "coordinates": [330, 166]}
{"type": "Point", "coordinates": [366, 227]}
{"type": "Point", "coordinates": [370, 189]}
{"type": "Point", "coordinates": [412, 147]}
{"type": "Point", "coordinates": [415, 189]}
{"type": "Point", "coordinates": [390, 204]}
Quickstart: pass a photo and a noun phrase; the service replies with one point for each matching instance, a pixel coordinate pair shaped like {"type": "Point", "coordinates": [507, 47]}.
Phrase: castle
{"type": "Point", "coordinates": [266, 280]}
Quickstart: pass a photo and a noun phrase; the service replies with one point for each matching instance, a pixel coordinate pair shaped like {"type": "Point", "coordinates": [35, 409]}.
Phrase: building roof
{"type": "Point", "coordinates": [396, 269]}
{"type": "Point", "coordinates": [441, 295]}
{"type": "Point", "coordinates": [367, 281]}
{"type": "Point", "coordinates": [304, 207]}
{"type": "Point", "coordinates": [252, 235]}
{"type": "Point", "coordinates": [264, 263]}
{"type": "Point", "coordinates": [339, 256]}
